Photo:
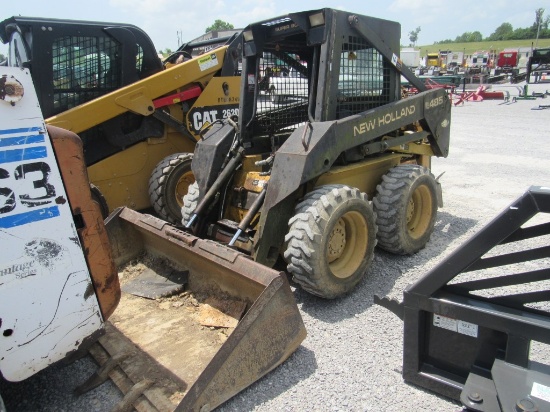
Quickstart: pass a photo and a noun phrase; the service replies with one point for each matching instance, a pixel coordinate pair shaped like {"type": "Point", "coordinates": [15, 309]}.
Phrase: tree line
{"type": "Point", "coordinates": [539, 29]}
{"type": "Point", "coordinates": [217, 25]}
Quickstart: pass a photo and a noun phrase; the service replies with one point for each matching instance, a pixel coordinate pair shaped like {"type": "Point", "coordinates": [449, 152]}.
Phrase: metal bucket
{"type": "Point", "coordinates": [193, 349]}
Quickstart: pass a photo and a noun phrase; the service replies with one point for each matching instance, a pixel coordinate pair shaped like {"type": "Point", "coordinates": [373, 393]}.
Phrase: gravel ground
{"type": "Point", "coordinates": [351, 359]}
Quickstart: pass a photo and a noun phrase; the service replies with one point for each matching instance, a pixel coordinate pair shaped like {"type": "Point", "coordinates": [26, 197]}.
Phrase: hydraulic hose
{"type": "Point", "coordinates": [216, 186]}
{"type": "Point", "coordinates": [254, 208]}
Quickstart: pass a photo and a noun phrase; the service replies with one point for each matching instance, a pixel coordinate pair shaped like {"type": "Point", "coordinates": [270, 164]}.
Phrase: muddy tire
{"type": "Point", "coordinates": [331, 240]}
{"type": "Point", "coordinates": [98, 198]}
{"type": "Point", "coordinates": [406, 209]}
{"type": "Point", "coordinates": [190, 202]}
{"type": "Point", "coordinates": [168, 184]}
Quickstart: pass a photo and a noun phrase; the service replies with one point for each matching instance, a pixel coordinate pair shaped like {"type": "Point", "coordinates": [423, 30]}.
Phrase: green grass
{"type": "Point", "coordinates": [470, 48]}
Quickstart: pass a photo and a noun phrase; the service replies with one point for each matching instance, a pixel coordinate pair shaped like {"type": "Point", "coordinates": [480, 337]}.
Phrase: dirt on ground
{"type": "Point", "coordinates": [175, 337]}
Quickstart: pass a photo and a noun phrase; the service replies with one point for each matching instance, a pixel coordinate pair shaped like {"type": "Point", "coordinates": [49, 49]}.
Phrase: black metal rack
{"type": "Point", "coordinates": [470, 322]}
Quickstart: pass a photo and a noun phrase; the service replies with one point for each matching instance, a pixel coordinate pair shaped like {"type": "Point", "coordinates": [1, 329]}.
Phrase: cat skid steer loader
{"type": "Point", "coordinates": [139, 119]}
{"type": "Point", "coordinates": [181, 323]}
{"type": "Point", "coordinates": [337, 162]}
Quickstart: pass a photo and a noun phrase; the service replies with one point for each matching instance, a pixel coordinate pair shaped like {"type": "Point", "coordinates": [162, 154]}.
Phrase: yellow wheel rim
{"type": "Point", "coordinates": [347, 244]}
{"type": "Point", "coordinates": [182, 186]}
{"type": "Point", "coordinates": [419, 211]}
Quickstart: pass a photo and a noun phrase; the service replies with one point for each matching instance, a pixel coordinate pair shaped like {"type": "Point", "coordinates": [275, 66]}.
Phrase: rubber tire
{"type": "Point", "coordinates": [190, 202]}
{"type": "Point", "coordinates": [168, 184]}
{"type": "Point", "coordinates": [307, 242]}
{"type": "Point", "coordinates": [98, 197]}
{"type": "Point", "coordinates": [402, 230]}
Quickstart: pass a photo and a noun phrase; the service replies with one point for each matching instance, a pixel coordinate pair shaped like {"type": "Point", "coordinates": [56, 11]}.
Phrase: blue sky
{"type": "Point", "coordinates": [167, 20]}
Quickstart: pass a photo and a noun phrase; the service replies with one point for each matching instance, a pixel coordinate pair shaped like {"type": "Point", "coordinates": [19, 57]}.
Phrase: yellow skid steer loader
{"type": "Point", "coordinates": [138, 117]}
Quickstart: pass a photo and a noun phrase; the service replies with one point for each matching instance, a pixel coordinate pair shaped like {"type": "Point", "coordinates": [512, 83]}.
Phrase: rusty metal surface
{"type": "Point", "coordinates": [94, 239]}
{"type": "Point", "coordinates": [270, 330]}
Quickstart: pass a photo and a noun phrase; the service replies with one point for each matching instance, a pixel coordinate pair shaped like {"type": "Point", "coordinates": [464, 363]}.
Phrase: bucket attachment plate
{"type": "Point", "coordinates": [470, 324]}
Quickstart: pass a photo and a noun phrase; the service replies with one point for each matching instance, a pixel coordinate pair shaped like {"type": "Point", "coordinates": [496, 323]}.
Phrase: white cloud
{"type": "Point", "coordinates": [416, 5]}
{"type": "Point", "coordinates": [164, 19]}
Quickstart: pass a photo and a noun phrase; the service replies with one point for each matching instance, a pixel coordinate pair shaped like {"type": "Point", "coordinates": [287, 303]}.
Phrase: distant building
{"type": "Point", "coordinates": [214, 34]}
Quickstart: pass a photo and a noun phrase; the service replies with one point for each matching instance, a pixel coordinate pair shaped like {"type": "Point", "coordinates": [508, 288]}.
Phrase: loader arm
{"type": "Point", "coordinates": [139, 97]}
{"type": "Point", "coordinates": [312, 150]}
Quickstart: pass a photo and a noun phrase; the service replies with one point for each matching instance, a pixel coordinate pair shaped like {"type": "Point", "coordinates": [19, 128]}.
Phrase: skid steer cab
{"type": "Point", "coordinates": [138, 117]}
{"type": "Point", "coordinates": [325, 159]}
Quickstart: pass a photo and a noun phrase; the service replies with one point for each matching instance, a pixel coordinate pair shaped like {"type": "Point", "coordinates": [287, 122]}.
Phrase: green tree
{"type": "Point", "coordinates": [539, 18]}
{"type": "Point", "coordinates": [219, 25]}
{"type": "Point", "coordinates": [475, 36]}
{"type": "Point", "coordinates": [2, 57]}
{"type": "Point", "coordinates": [523, 34]}
{"type": "Point", "coordinates": [538, 24]}
{"type": "Point", "coordinates": [413, 36]}
{"type": "Point", "coordinates": [461, 38]}
{"type": "Point", "coordinates": [539, 29]}
{"type": "Point", "coordinates": [469, 37]}
{"type": "Point", "coordinates": [502, 32]}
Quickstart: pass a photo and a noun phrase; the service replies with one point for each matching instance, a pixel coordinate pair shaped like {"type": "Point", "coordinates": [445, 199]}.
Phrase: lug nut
{"type": "Point", "coordinates": [475, 397]}
{"type": "Point", "coordinates": [526, 405]}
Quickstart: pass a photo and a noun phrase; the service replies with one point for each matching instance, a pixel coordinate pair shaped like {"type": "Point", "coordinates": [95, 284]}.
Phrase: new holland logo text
{"type": "Point", "coordinates": [383, 120]}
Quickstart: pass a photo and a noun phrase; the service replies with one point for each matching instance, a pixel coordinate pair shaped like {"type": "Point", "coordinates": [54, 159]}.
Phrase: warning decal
{"type": "Point", "coordinates": [455, 325]}
{"type": "Point", "coordinates": [206, 62]}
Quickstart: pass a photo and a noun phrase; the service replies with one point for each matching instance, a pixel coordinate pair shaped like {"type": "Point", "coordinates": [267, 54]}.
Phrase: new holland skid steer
{"type": "Point", "coordinates": [337, 162]}
{"type": "Point", "coordinates": [183, 323]}
{"type": "Point", "coordinates": [139, 119]}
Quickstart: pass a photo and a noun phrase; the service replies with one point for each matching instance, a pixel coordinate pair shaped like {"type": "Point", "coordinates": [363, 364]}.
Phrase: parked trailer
{"type": "Point", "coordinates": [454, 62]}
{"type": "Point", "coordinates": [507, 62]}
{"type": "Point", "coordinates": [410, 57]}
{"type": "Point", "coordinates": [480, 62]}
